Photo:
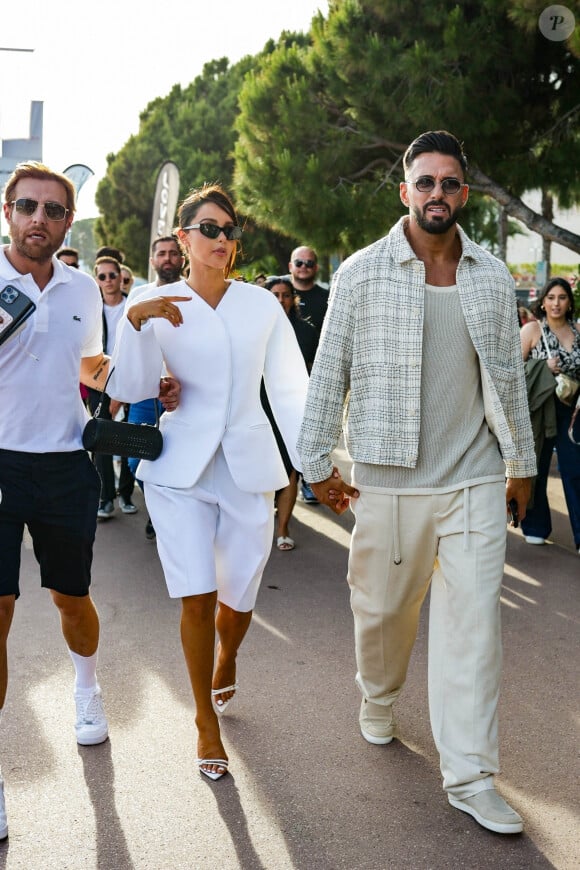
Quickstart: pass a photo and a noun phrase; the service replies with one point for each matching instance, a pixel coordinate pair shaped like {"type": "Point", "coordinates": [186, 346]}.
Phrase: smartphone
{"type": "Point", "coordinates": [513, 508]}
{"type": "Point", "coordinates": [15, 308]}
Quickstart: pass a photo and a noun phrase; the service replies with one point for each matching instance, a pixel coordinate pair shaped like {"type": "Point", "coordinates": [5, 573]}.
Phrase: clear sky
{"type": "Point", "coordinates": [96, 66]}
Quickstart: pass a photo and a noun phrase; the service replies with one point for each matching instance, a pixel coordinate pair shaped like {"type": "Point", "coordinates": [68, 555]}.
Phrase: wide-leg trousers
{"type": "Point", "coordinates": [456, 542]}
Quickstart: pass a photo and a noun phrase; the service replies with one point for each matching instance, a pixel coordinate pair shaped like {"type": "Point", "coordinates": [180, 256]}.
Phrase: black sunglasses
{"type": "Point", "coordinates": [126, 280]}
{"type": "Point", "coordinates": [308, 263]}
{"type": "Point", "coordinates": [54, 211]}
{"type": "Point", "coordinates": [102, 276]}
{"type": "Point", "coordinates": [449, 186]}
{"type": "Point", "coordinates": [212, 231]}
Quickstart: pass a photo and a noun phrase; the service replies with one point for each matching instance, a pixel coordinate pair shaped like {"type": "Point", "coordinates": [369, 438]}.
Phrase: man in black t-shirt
{"type": "Point", "coordinates": [303, 268]}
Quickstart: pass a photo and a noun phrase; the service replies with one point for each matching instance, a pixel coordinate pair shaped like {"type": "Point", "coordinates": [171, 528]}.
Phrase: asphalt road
{"type": "Point", "coordinates": [306, 791]}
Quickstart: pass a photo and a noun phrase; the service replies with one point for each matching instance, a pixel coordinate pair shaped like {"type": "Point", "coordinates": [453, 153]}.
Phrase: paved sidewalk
{"type": "Point", "coordinates": [306, 791]}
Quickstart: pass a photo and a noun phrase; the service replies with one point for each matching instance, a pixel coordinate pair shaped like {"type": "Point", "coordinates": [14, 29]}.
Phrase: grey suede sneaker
{"type": "Point", "coordinates": [377, 723]}
{"type": "Point", "coordinates": [491, 811]}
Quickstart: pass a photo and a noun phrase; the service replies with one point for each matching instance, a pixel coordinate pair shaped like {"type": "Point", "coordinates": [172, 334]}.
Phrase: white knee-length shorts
{"type": "Point", "coordinates": [213, 536]}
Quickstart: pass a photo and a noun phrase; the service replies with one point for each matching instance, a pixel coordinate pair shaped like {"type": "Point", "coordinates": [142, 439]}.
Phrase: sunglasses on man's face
{"type": "Point", "coordinates": [102, 276]}
{"type": "Point", "coordinates": [54, 211]}
{"type": "Point", "coordinates": [308, 263]}
{"type": "Point", "coordinates": [212, 231]}
{"type": "Point", "coordinates": [449, 186]}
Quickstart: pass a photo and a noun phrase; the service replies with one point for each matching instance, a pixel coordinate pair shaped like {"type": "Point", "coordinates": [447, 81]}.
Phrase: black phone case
{"type": "Point", "coordinates": [15, 308]}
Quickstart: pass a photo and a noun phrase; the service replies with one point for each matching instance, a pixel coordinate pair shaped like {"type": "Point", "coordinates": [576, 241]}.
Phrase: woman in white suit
{"type": "Point", "coordinates": [210, 493]}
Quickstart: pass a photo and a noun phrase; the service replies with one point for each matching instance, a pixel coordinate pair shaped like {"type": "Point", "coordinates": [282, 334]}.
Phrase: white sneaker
{"type": "Point", "coordinates": [3, 820]}
{"type": "Point", "coordinates": [491, 811]}
{"type": "Point", "coordinates": [533, 539]}
{"type": "Point", "coordinates": [91, 726]}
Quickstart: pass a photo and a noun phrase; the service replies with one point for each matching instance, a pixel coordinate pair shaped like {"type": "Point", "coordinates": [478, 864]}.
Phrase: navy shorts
{"type": "Point", "coordinates": [57, 496]}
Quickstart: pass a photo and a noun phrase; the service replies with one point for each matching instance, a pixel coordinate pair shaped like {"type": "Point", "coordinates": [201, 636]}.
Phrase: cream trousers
{"type": "Point", "coordinates": [455, 542]}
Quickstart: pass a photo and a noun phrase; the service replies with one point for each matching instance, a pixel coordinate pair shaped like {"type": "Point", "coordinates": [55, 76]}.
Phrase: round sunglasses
{"type": "Point", "coordinates": [449, 186]}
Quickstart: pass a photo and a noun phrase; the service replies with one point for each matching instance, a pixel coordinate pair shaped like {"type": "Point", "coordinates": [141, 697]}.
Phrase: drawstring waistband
{"type": "Point", "coordinates": [397, 558]}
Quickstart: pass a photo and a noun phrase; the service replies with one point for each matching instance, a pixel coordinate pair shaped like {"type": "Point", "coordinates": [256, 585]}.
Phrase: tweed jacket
{"type": "Point", "coordinates": [367, 372]}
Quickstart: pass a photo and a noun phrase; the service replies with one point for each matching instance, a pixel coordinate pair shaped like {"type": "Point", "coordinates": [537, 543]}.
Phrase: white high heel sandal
{"type": "Point", "coordinates": [220, 706]}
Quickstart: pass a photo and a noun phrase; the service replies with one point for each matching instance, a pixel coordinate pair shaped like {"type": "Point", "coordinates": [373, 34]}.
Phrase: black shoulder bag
{"type": "Point", "coordinates": [138, 440]}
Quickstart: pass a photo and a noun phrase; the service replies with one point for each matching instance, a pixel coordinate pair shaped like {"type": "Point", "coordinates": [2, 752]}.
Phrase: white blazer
{"type": "Point", "coordinates": [219, 356]}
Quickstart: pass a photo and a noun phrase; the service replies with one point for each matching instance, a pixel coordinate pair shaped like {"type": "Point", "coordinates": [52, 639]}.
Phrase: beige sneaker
{"type": "Point", "coordinates": [491, 811]}
{"type": "Point", "coordinates": [377, 723]}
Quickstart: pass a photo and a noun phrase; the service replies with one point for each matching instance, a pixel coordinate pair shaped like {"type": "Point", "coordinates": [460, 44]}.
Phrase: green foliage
{"type": "Point", "coordinates": [83, 239]}
{"type": "Point", "coordinates": [194, 128]}
{"type": "Point", "coordinates": [309, 134]}
{"type": "Point", "coordinates": [480, 221]}
{"type": "Point", "coordinates": [324, 124]}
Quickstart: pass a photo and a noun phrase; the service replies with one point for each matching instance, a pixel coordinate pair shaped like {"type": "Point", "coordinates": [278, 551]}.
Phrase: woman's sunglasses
{"type": "Point", "coordinates": [212, 231]}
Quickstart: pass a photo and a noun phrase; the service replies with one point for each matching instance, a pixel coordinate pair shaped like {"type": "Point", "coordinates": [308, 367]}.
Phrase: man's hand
{"type": "Point", "coordinates": [520, 489]}
{"type": "Point", "coordinates": [334, 492]}
{"type": "Point", "coordinates": [169, 393]}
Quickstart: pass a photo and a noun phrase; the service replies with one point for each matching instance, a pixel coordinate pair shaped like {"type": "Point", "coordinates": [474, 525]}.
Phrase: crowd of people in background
{"type": "Point", "coordinates": [305, 303]}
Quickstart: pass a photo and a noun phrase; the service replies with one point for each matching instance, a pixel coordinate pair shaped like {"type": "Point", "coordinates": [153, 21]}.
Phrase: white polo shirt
{"type": "Point", "coordinates": [41, 409]}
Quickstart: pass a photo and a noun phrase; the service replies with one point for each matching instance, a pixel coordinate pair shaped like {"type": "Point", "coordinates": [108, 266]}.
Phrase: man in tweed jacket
{"type": "Point", "coordinates": [420, 360]}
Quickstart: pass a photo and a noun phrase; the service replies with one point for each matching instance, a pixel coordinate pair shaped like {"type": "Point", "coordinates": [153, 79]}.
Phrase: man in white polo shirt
{"type": "Point", "coordinates": [47, 481]}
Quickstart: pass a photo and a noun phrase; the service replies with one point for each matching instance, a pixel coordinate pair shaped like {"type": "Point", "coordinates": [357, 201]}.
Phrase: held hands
{"type": "Point", "coordinates": [554, 364]}
{"type": "Point", "coordinates": [169, 393]}
{"type": "Point", "coordinates": [519, 489]}
{"type": "Point", "coordinates": [334, 492]}
{"type": "Point", "coordinates": [160, 306]}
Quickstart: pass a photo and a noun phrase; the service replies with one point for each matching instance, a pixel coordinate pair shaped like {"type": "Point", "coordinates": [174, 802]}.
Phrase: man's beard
{"type": "Point", "coordinates": [435, 226]}
{"type": "Point", "coordinates": [39, 252]}
{"type": "Point", "coordinates": [169, 274]}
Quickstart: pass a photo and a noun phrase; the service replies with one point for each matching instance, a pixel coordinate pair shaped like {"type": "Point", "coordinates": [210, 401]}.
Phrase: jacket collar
{"type": "Point", "coordinates": [402, 251]}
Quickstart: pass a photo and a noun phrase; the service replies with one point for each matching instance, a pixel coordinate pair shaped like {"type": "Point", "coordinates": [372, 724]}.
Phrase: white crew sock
{"type": "Point", "coordinates": [86, 671]}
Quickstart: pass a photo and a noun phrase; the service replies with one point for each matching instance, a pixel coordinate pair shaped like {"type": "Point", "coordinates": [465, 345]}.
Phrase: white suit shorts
{"type": "Point", "coordinates": [212, 536]}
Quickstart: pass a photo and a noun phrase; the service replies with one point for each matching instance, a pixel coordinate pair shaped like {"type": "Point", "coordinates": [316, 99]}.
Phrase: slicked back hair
{"type": "Point", "coordinates": [208, 193]}
{"type": "Point", "coordinates": [440, 141]}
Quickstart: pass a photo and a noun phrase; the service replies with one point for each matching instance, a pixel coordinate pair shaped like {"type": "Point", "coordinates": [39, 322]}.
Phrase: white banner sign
{"type": "Point", "coordinates": [164, 205]}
